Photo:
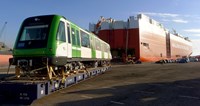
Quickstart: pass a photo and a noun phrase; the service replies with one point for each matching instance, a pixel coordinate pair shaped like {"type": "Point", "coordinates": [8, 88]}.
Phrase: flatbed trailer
{"type": "Point", "coordinates": [25, 90]}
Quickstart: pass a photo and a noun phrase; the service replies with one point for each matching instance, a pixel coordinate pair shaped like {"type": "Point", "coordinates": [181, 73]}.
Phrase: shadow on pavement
{"type": "Point", "coordinates": [182, 93]}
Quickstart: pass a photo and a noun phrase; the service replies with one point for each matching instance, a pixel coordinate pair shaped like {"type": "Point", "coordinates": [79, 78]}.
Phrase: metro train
{"type": "Point", "coordinates": [54, 44]}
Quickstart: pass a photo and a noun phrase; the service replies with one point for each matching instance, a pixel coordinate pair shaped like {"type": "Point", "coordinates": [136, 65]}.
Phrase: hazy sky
{"type": "Point", "coordinates": [181, 15]}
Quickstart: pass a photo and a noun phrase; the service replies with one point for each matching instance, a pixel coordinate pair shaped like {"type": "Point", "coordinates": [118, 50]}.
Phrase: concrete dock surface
{"type": "Point", "coordinates": [149, 84]}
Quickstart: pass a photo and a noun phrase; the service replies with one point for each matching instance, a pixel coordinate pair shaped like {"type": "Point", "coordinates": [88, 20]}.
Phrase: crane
{"type": "Point", "coordinates": [1, 33]}
{"type": "Point", "coordinates": [3, 28]}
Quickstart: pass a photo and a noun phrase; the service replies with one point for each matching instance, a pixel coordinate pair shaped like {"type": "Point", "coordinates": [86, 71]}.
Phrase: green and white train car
{"type": "Point", "coordinates": [54, 43]}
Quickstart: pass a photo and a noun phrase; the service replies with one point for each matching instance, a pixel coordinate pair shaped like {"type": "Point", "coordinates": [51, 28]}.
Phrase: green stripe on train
{"type": "Point", "coordinates": [53, 32]}
{"type": "Point", "coordinates": [76, 53]}
{"type": "Point", "coordinates": [93, 53]}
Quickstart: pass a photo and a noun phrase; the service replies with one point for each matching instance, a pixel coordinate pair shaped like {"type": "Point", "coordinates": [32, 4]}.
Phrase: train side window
{"type": "Point", "coordinates": [105, 47]}
{"type": "Point", "coordinates": [102, 47]}
{"type": "Point", "coordinates": [61, 32]}
{"type": "Point", "coordinates": [78, 38]}
{"type": "Point", "coordinates": [68, 32]}
{"type": "Point", "coordinates": [98, 45]}
{"type": "Point", "coordinates": [92, 43]}
{"type": "Point", "coordinates": [85, 41]}
{"type": "Point", "coordinates": [73, 37]}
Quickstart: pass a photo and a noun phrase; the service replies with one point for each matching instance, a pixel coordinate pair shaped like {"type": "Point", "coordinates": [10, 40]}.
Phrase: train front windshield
{"type": "Point", "coordinates": [34, 33]}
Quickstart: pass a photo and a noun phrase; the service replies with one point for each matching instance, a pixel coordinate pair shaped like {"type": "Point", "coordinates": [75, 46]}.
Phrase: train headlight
{"type": "Point", "coordinates": [22, 63]}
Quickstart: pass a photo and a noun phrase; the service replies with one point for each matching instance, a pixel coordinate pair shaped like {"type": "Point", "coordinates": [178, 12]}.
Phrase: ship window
{"type": "Point", "coordinates": [85, 41]}
{"type": "Point", "coordinates": [150, 21]}
{"type": "Point", "coordinates": [61, 32]}
{"type": "Point", "coordinates": [146, 45]}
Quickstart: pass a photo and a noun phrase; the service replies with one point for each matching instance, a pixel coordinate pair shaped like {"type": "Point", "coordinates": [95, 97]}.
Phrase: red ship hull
{"type": "Point", "coordinates": [144, 39]}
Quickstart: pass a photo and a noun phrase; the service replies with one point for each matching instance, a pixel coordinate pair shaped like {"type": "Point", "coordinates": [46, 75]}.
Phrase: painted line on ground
{"type": "Point", "coordinates": [189, 97]}
{"type": "Point", "coordinates": [119, 103]}
{"type": "Point", "coordinates": [88, 97]}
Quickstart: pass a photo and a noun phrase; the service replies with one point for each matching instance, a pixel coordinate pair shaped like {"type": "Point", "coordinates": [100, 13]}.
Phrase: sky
{"type": "Point", "coordinates": [181, 15]}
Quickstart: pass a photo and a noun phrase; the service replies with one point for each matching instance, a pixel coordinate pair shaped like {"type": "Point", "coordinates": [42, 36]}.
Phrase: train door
{"type": "Point", "coordinates": [61, 40]}
{"type": "Point", "coordinates": [69, 44]}
{"type": "Point", "coordinates": [76, 48]}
